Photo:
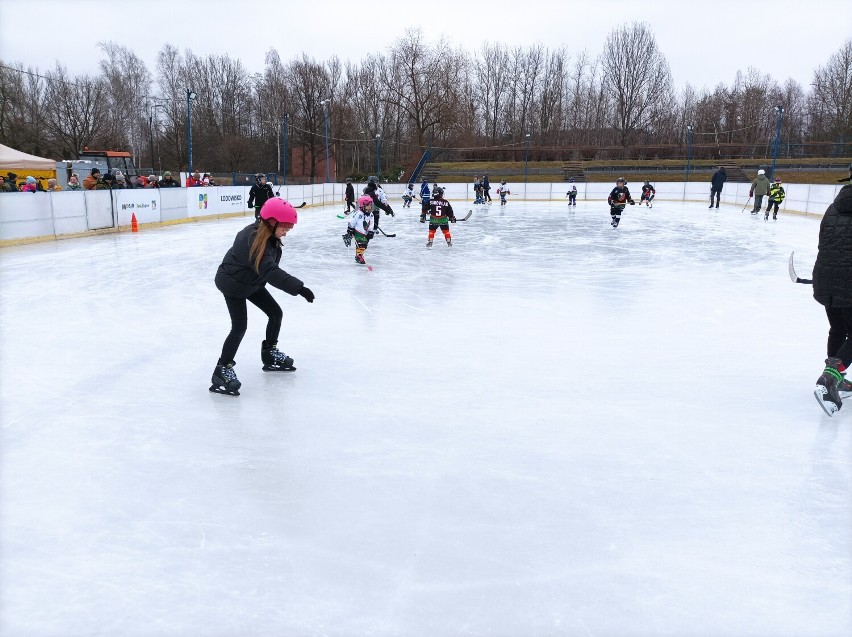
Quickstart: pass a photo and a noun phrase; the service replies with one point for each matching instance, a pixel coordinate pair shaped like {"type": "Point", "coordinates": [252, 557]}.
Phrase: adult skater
{"type": "Point", "coordinates": [486, 188]}
{"type": "Point", "coordinates": [618, 198]}
{"type": "Point", "coordinates": [408, 196]}
{"type": "Point", "coordinates": [648, 193]}
{"type": "Point", "coordinates": [776, 196]}
{"type": "Point", "coordinates": [251, 263]}
{"type": "Point", "coordinates": [572, 192]}
{"type": "Point", "coordinates": [360, 228]}
{"type": "Point", "coordinates": [759, 188]}
{"type": "Point", "coordinates": [440, 216]}
{"type": "Point", "coordinates": [349, 196]}
{"type": "Point", "coordinates": [717, 181]}
{"type": "Point", "coordinates": [503, 190]}
{"type": "Point", "coordinates": [833, 289]}
{"type": "Point", "coordinates": [259, 194]}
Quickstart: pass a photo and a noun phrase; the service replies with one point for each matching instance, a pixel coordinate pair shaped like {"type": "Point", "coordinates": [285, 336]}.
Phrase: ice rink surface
{"type": "Point", "coordinates": [552, 428]}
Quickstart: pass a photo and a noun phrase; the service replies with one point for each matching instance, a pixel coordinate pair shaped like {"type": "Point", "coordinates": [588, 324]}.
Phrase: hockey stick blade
{"type": "Point", "coordinates": [792, 270]}
{"type": "Point", "coordinates": [467, 216]}
{"type": "Point", "coordinates": [302, 205]}
{"type": "Point", "coordinates": [390, 236]}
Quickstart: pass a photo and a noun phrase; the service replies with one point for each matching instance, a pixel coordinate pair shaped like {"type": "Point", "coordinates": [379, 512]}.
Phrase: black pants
{"type": "Point", "coordinates": [350, 203]}
{"type": "Point", "coordinates": [772, 203]}
{"type": "Point", "coordinates": [839, 333]}
{"type": "Point", "coordinates": [488, 194]}
{"type": "Point", "coordinates": [718, 194]}
{"type": "Point", "coordinates": [239, 321]}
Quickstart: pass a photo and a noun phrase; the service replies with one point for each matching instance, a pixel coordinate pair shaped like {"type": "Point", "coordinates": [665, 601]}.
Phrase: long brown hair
{"type": "Point", "coordinates": [258, 246]}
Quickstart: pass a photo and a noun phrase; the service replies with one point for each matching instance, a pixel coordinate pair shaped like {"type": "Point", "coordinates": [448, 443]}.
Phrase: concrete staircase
{"type": "Point", "coordinates": [736, 174]}
{"type": "Point", "coordinates": [573, 169]}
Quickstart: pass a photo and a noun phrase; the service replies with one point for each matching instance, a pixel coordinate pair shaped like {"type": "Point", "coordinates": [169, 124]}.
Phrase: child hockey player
{"type": "Point", "coordinates": [832, 282]}
{"type": "Point", "coordinates": [424, 197]}
{"type": "Point", "coordinates": [503, 190]}
{"type": "Point", "coordinates": [618, 198]}
{"type": "Point", "coordinates": [776, 196]}
{"type": "Point", "coordinates": [361, 228]}
{"type": "Point", "coordinates": [440, 216]}
{"type": "Point", "coordinates": [259, 194]}
{"type": "Point", "coordinates": [648, 193]}
{"type": "Point", "coordinates": [248, 266]}
{"type": "Point", "coordinates": [408, 196]}
{"type": "Point", "coordinates": [572, 192]}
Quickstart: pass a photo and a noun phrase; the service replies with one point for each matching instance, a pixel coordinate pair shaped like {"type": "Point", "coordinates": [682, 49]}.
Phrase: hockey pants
{"type": "Point", "coordinates": [445, 228]}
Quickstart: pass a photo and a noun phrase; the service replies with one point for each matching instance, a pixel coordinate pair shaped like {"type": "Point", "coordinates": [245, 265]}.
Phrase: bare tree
{"type": "Point", "coordinates": [831, 101]}
{"type": "Point", "coordinates": [637, 76]}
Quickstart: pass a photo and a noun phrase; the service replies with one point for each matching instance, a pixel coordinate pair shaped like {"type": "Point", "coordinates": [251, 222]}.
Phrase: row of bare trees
{"type": "Point", "coordinates": [389, 107]}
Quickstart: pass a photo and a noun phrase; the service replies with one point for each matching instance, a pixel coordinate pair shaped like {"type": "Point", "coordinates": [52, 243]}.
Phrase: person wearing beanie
{"type": "Point", "coordinates": [30, 185]}
{"type": "Point", "coordinates": [759, 189]}
{"type": "Point", "coordinates": [90, 181]}
{"type": "Point", "coordinates": [168, 182]}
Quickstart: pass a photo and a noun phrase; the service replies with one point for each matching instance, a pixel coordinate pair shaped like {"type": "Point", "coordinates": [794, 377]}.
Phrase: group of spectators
{"type": "Point", "coordinates": [106, 181]}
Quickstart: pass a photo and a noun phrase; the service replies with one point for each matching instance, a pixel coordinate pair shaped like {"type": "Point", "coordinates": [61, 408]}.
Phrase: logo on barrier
{"type": "Point", "coordinates": [231, 198]}
{"type": "Point", "coordinates": [202, 201]}
{"type": "Point", "coordinates": [153, 204]}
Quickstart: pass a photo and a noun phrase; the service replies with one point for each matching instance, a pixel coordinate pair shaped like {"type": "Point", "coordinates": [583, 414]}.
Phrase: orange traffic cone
{"type": "Point", "coordinates": [134, 225]}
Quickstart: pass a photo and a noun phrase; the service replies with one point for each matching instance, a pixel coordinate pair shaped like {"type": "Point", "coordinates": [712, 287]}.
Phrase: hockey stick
{"type": "Point", "coordinates": [385, 233]}
{"type": "Point", "coordinates": [466, 217]}
{"type": "Point", "coordinates": [745, 206]}
{"type": "Point", "coordinates": [793, 276]}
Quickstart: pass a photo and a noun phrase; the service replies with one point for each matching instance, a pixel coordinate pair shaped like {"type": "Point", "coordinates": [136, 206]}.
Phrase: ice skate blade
{"type": "Point", "coordinates": [274, 368]}
{"type": "Point", "coordinates": [215, 389]}
{"type": "Point", "coordinates": [827, 406]}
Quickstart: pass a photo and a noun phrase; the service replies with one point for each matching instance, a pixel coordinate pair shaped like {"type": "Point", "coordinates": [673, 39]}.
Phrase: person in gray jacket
{"type": "Point", "coordinates": [759, 189]}
{"type": "Point", "coordinates": [716, 182]}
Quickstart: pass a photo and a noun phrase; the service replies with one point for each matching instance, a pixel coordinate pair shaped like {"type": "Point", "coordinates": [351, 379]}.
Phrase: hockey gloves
{"type": "Point", "coordinates": [370, 235]}
{"type": "Point", "coordinates": [307, 294]}
{"type": "Point", "coordinates": [452, 219]}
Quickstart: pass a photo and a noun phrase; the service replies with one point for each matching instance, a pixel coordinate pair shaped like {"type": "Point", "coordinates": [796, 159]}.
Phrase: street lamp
{"type": "Point", "coordinates": [688, 149]}
{"type": "Point", "coordinates": [378, 161]}
{"type": "Point", "coordinates": [780, 111]}
{"type": "Point", "coordinates": [190, 96]}
{"type": "Point", "coordinates": [526, 158]}
{"type": "Point", "coordinates": [327, 161]}
{"type": "Point", "coordinates": [284, 151]}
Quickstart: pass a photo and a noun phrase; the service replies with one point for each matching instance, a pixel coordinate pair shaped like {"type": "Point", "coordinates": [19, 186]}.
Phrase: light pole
{"type": "Point", "coordinates": [327, 161]}
{"type": "Point", "coordinates": [190, 96]}
{"type": "Point", "coordinates": [378, 161]}
{"type": "Point", "coordinates": [284, 151]}
{"type": "Point", "coordinates": [526, 158]}
{"type": "Point", "coordinates": [780, 110]}
{"type": "Point", "coordinates": [688, 149]}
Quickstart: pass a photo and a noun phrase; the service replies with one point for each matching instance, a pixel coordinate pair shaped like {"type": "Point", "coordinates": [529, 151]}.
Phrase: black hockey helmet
{"type": "Point", "coordinates": [411, 185]}
{"type": "Point", "coordinates": [438, 192]}
{"type": "Point", "coordinates": [258, 177]}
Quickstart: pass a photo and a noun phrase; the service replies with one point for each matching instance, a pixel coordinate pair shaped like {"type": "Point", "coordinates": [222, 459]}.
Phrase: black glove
{"type": "Point", "coordinates": [632, 203]}
{"type": "Point", "coordinates": [389, 211]}
{"type": "Point", "coordinates": [306, 292]}
{"type": "Point", "coordinates": [370, 234]}
{"type": "Point", "coordinates": [422, 218]}
{"type": "Point", "coordinates": [452, 219]}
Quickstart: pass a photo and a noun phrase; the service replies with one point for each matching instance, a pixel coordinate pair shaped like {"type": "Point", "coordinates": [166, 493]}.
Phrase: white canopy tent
{"type": "Point", "coordinates": [16, 161]}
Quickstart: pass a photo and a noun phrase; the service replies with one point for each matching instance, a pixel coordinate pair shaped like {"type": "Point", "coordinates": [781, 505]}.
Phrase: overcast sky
{"type": "Point", "coordinates": [704, 43]}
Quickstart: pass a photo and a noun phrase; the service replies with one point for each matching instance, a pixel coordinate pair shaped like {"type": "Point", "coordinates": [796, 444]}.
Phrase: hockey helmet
{"type": "Point", "coordinates": [364, 201]}
{"type": "Point", "coordinates": [411, 185]}
{"type": "Point", "coordinates": [279, 211]}
{"type": "Point", "coordinates": [778, 180]}
{"type": "Point", "coordinates": [259, 176]}
{"type": "Point", "coordinates": [438, 192]}
{"type": "Point", "coordinates": [570, 180]}
{"type": "Point", "coordinates": [621, 180]}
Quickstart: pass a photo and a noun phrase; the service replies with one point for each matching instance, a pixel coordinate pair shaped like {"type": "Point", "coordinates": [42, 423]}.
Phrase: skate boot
{"type": "Point", "coordinates": [429, 244]}
{"type": "Point", "coordinates": [359, 258]}
{"type": "Point", "coordinates": [766, 217]}
{"type": "Point", "coordinates": [225, 380]}
{"type": "Point", "coordinates": [774, 217]}
{"type": "Point", "coordinates": [347, 239]}
{"type": "Point", "coordinates": [844, 388]}
{"type": "Point", "coordinates": [274, 360]}
{"type": "Point", "coordinates": [449, 243]}
{"type": "Point", "coordinates": [827, 386]}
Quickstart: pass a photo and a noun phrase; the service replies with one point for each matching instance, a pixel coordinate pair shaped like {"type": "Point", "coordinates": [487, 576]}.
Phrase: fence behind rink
{"type": "Point", "coordinates": [26, 217]}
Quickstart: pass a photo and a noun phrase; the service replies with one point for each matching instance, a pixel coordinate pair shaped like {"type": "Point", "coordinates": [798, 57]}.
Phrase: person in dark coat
{"type": "Point", "coordinates": [259, 194]}
{"type": "Point", "coordinates": [716, 182]}
{"type": "Point", "coordinates": [832, 280]}
{"type": "Point", "coordinates": [350, 196]}
{"type": "Point", "coordinates": [251, 263]}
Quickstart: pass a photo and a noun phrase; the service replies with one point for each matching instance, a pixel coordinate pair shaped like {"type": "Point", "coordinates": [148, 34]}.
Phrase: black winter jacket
{"type": "Point", "coordinates": [718, 179]}
{"type": "Point", "coordinates": [259, 195]}
{"type": "Point", "coordinates": [236, 276]}
{"type": "Point", "coordinates": [833, 267]}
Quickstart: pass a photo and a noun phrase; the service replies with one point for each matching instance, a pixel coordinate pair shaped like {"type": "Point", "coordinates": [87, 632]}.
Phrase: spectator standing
{"type": "Point", "coordinates": [29, 185]}
{"type": "Point", "coordinates": [74, 182]}
{"type": "Point", "coordinates": [93, 178]}
{"type": "Point", "coordinates": [168, 182]}
{"type": "Point", "coordinates": [716, 182]}
{"type": "Point", "coordinates": [120, 181]}
{"type": "Point", "coordinates": [11, 181]}
{"type": "Point", "coordinates": [153, 182]}
{"type": "Point", "coordinates": [759, 189]}
{"type": "Point", "coordinates": [4, 187]}
{"type": "Point", "coordinates": [52, 186]}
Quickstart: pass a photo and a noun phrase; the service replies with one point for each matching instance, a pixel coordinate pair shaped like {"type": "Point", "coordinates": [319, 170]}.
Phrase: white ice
{"type": "Point", "coordinates": [551, 428]}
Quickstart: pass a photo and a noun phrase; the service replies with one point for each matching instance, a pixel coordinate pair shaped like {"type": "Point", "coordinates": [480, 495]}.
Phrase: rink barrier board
{"type": "Point", "coordinates": [45, 216]}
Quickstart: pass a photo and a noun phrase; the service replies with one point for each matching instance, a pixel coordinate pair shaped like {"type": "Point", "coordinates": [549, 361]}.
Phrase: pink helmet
{"type": "Point", "coordinates": [363, 200]}
{"type": "Point", "coordinates": [278, 210]}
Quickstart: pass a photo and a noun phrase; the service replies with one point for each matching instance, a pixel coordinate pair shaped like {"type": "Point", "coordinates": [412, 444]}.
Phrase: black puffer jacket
{"type": "Point", "coordinates": [833, 267]}
{"type": "Point", "coordinates": [236, 276]}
